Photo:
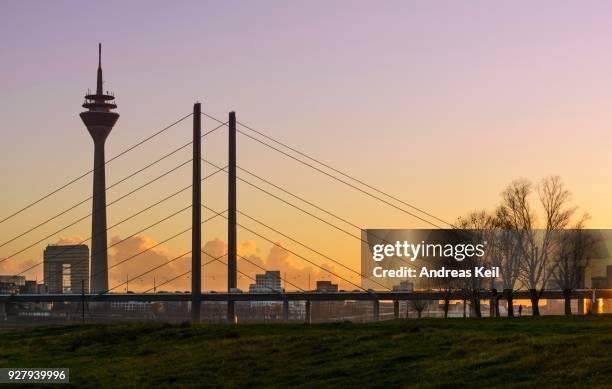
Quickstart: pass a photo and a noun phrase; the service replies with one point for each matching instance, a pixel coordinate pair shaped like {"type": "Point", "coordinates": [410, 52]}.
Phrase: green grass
{"type": "Point", "coordinates": [544, 352]}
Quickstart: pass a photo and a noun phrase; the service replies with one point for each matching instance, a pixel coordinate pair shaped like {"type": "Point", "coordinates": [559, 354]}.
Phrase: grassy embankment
{"type": "Point", "coordinates": [546, 351]}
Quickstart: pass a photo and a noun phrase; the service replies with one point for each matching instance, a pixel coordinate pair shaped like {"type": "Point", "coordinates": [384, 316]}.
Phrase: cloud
{"type": "Point", "coordinates": [297, 272]}
{"type": "Point", "coordinates": [214, 272]}
{"type": "Point", "coordinates": [13, 266]}
{"type": "Point", "coordinates": [132, 257]}
{"type": "Point", "coordinates": [17, 265]}
{"type": "Point", "coordinates": [70, 240]}
{"type": "Point", "coordinates": [247, 247]}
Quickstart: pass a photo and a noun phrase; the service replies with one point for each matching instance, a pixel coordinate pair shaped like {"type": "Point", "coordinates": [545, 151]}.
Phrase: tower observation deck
{"type": "Point", "coordinates": [99, 120]}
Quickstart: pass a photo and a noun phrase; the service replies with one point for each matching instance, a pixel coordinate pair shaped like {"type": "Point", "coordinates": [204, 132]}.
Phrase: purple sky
{"type": "Point", "coordinates": [396, 93]}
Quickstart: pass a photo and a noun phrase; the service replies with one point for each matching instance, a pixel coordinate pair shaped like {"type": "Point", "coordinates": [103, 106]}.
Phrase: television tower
{"type": "Point", "coordinates": [99, 121]}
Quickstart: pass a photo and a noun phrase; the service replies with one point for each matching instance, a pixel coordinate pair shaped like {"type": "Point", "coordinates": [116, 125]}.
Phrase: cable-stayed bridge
{"type": "Point", "coordinates": [100, 117]}
{"type": "Point", "coordinates": [231, 258]}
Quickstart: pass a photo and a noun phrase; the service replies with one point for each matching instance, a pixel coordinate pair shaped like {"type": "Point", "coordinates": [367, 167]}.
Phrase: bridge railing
{"type": "Point", "coordinates": [302, 296]}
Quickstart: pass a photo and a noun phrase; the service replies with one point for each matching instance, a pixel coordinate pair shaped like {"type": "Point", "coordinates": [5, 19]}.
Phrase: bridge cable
{"type": "Point", "coordinates": [110, 187]}
{"type": "Point", "coordinates": [310, 213]}
{"type": "Point", "coordinates": [30, 205]}
{"type": "Point", "coordinates": [219, 260]}
{"type": "Point", "coordinates": [292, 252]}
{"type": "Point", "coordinates": [337, 171]}
{"type": "Point", "coordinates": [97, 210]}
{"type": "Point", "coordinates": [343, 181]}
{"type": "Point", "coordinates": [185, 273]}
{"type": "Point", "coordinates": [156, 245]}
{"type": "Point", "coordinates": [131, 217]}
{"type": "Point", "coordinates": [145, 273]}
{"type": "Point", "coordinates": [311, 249]}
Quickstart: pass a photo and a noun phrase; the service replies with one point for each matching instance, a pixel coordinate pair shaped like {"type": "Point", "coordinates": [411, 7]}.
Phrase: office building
{"type": "Point", "coordinates": [66, 268]}
{"type": "Point", "coordinates": [266, 283]}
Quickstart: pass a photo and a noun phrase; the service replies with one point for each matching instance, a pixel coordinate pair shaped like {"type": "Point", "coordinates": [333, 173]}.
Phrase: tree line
{"type": "Point", "coordinates": [536, 238]}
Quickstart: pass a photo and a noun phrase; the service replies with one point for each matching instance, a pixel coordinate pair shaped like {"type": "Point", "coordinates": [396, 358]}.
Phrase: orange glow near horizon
{"type": "Point", "coordinates": [439, 106]}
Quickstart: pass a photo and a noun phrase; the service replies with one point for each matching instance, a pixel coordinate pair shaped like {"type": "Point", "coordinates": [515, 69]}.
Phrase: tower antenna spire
{"type": "Point", "coordinates": [99, 120]}
{"type": "Point", "coordinates": [99, 83]}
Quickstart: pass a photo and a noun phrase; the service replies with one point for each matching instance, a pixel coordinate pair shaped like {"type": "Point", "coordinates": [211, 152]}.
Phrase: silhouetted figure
{"type": "Point", "coordinates": [521, 310]}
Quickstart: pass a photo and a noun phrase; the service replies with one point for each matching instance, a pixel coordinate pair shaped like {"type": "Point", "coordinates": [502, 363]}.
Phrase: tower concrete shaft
{"type": "Point", "coordinates": [99, 120]}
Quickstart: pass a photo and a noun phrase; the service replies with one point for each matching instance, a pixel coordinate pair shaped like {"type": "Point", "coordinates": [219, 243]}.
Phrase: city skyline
{"type": "Point", "coordinates": [404, 114]}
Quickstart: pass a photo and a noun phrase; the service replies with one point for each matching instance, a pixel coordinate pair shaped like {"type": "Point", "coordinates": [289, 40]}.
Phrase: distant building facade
{"type": "Point", "coordinates": [8, 288]}
{"type": "Point", "coordinates": [66, 268]}
{"type": "Point", "coordinates": [19, 285]}
{"type": "Point", "coordinates": [131, 306]}
{"type": "Point", "coordinates": [325, 310]}
{"type": "Point", "coordinates": [16, 280]}
{"type": "Point", "coordinates": [266, 283]}
{"type": "Point", "coordinates": [33, 287]}
{"type": "Point", "coordinates": [326, 286]}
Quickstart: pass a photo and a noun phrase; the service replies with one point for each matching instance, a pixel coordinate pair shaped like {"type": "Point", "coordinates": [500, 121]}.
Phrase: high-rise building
{"type": "Point", "coordinates": [66, 268]}
{"type": "Point", "coordinates": [99, 120]}
{"type": "Point", "coordinates": [265, 283]}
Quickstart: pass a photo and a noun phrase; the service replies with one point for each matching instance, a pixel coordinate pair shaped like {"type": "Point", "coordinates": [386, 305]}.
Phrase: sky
{"type": "Point", "coordinates": [439, 103]}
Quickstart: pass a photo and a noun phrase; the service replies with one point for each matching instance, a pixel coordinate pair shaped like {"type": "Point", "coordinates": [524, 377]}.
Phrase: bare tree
{"type": "Point", "coordinates": [419, 306]}
{"type": "Point", "coordinates": [507, 255]}
{"type": "Point", "coordinates": [479, 224]}
{"type": "Point", "coordinates": [536, 264]}
{"type": "Point", "coordinates": [575, 251]}
{"type": "Point", "coordinates": [495, 255]}
{"type": "Point", "coordinates": [448, 283]}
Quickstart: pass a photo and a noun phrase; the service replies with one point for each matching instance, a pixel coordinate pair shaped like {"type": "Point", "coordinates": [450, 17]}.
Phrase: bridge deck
{"type": "Point", "coordinates": [295, 296]}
